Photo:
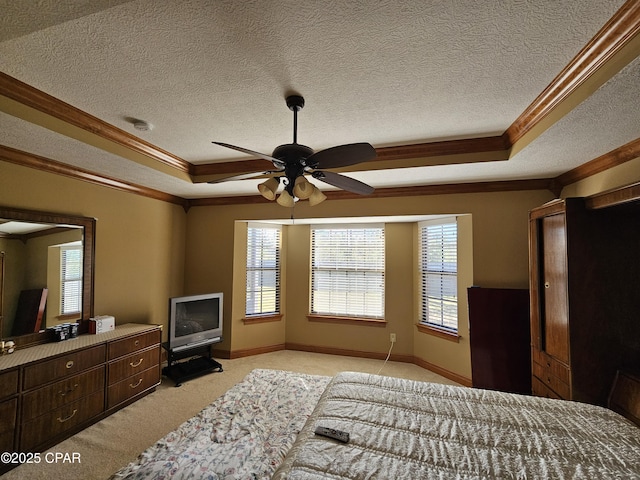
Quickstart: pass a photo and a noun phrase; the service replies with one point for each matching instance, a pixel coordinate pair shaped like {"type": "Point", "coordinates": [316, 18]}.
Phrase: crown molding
{"type": "Point", "coordinates": [423, 190]}
{"type": "Point", "coordinates": [25, 159]}
{"type": "Point", "coordinates": [618, 156]}
{"type": "Point", "coordinates": [618, 37]}
{"type": "Point", "coordinates": [42, 102]}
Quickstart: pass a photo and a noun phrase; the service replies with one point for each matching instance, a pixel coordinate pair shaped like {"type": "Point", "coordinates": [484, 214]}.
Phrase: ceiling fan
{"type": "Point", "coordinates": [292, 161]}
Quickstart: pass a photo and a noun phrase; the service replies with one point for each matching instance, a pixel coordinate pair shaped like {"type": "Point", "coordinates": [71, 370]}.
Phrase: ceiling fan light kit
{"type": "Point", "coordinates": [292, 161]}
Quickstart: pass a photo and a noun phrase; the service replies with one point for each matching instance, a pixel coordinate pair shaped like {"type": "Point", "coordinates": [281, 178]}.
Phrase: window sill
{"type": "Point", "coordinates": [374, 322]}
{"type": "Point", "coordinates": [275, 317]}
{"type": "Point", "coordinates": [439, 332]}
{"type": "Point", "coordinates": [69, 316]}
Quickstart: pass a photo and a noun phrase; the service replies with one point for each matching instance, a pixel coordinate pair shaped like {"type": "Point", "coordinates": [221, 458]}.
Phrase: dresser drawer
{"type": "Point", "coordinates": [556, 384]}
{"type": "Point", "coordinates": [133, 364]}
{"type": "Point", "coordinates": [539, 389]}
{"type": "Point", "coordinates": [553, 366]}
{"type": "Point", "coordinates": [8, 414]}
{"type": "Point", "coordinates": [53, 423]}
{"type": "Point", "coordinates": [8, 384]}
{"type": "Point", "coordinates": [61, 393]}
{"type": "Point", "coordinates": [63, 366]}
{"type": "Point", "coordinates": [128, 345]}
{"type": "Point", "coordinates": [129, 387]}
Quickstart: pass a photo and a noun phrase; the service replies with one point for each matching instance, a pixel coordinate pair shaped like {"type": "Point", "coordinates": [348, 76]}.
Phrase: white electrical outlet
{"type": "Point", "coordinates": [392, 337]}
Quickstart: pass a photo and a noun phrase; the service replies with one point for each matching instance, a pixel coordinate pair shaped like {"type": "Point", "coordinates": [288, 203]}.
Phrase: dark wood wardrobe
{"type": "Point", "coordinates": [585, 294]}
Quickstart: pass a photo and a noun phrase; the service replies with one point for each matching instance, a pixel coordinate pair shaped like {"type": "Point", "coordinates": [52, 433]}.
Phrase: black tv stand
{"type": "Point", "coordinates": [199, 363]}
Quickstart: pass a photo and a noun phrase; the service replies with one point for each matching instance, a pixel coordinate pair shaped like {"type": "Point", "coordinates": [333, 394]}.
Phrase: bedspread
{"type": "Point", "coordinates": [401, 429]}
{"type": "Point", "coordinates": [243, 434]}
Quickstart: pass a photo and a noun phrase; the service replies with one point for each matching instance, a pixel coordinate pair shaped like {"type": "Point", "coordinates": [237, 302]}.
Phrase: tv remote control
{"type": "Point", "coordinates": [332, 433]}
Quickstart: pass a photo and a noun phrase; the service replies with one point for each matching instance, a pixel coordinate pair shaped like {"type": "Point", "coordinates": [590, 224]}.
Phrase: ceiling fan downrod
{"type": "Point", "coordinates": [295, 104]}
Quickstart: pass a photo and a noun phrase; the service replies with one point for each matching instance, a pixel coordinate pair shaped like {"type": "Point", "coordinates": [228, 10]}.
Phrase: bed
{"type": "Point", "coordinates": [397, 429]}
{"type": "Point", "coordinates": [243, 434]}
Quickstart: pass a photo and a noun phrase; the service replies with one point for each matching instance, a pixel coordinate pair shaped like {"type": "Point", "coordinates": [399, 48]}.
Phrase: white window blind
{"type": "Point", "coordinates": [71, 280]}
{"type": "Point", "coordinates": [263, 269]}
{"type": "Point", "coordinates": [439, 274]}
{"type": "Point", "coordinates": [347, 271]}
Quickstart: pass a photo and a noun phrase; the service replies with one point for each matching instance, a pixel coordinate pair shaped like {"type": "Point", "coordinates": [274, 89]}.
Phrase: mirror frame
{"type": "Point", "coordinates": [88, 251]}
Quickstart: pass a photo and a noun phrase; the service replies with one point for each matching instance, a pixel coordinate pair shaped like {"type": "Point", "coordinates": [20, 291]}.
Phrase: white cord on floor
{"type": "Point", "coordinates": [386, 359]}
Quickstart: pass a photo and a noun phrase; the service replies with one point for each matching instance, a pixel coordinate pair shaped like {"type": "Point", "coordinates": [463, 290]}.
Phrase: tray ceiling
{"type": "Point", "coordinates": [388, 73]}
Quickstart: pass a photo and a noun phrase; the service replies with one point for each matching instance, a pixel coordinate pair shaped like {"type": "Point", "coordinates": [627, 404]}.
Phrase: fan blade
{"type": "Point", "coordinates": [343, 182]}
{"type": "Point", "coordinates": [277, 162]}
{"type": "Point", "coordinates": [244, 176]}
{"type": "Point", "coordinates": [342, 156]}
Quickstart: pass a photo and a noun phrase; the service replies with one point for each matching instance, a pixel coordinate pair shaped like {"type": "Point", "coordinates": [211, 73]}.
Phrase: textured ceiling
{"type": "Point", "coordinates": [385, 72]}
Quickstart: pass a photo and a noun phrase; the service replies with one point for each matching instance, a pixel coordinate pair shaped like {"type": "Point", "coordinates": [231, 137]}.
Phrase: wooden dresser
{"type": "Point", "coordinates": [8, 408]}
{"type": "Point", "coordinates": [584, 296]}
{"type": "Point", "coordinates": [50, 392]}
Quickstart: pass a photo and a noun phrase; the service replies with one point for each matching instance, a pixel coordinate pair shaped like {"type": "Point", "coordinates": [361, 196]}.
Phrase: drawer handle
{"type": "Point", "coordinates": [69, 364]}
{"type": "Point", "coordinates": [548, 379]}
{"type": "Point", "coordinates": [69, 390]}
{"type": "Point", "coordinates": [549, 364]}
{"type": "Point", "coordinates": [136, 364]}
{"type": "Point", "coordinates": [136, 343]}
{"type": "Point", "coordinates": [75, 410]}
{"type": "Point", "coordinates": [547, 285]}
{"type": "Point", "coordinates": [136, 385]}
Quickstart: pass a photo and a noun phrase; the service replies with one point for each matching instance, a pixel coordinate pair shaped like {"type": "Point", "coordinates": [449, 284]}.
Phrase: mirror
{"type": "Point", "coordinates": [46, 273]}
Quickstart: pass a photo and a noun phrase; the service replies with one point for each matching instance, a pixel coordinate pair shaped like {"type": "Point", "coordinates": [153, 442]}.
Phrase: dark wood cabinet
{"type": "Point", "coordinates": [8, 409]}
{"type": "Point", "coordinates": [585, 297]}
{"type": "Point", "coordinates": [133, 367]}
{"type": "Point", "coordinates": [499, 338]}
{"type": "Point", "coordinates": [51, 391]}
{"type": "Point", "coordinates": [30, 311]}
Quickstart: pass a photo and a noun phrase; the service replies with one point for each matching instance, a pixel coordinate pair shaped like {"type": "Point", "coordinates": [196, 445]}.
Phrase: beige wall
{"type": "Point", "coordinates": [215, 243]}
{"type": "Point", "coordinates": [140, 242]}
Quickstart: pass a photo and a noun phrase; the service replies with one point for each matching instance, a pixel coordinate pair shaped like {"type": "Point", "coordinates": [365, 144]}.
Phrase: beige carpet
{"type": "Point", "coordinates": [117, 440]}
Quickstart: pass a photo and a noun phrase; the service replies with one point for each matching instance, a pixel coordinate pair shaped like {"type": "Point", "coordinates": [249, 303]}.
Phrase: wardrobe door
{"type": "Point", "coordinates": [554, 288]}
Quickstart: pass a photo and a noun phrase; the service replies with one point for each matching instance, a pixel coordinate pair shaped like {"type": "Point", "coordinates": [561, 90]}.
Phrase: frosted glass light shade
{"type": "Point", "coordinates": [285, 199]}
{"type": "Point", "coordinates": [302, 188]}
{"type": "Point", "coordinates": [268, 188]}
{"type": "Point", "coordinates": [316, 197]}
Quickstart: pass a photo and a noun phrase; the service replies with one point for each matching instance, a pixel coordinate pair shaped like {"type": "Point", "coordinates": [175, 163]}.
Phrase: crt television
{"type": "Point", "coordinates": [195, 320]}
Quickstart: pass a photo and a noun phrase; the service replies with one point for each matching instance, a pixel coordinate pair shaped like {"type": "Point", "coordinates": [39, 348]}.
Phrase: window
{"type": "Point", "coordinates": [71, 280]}
{"type": "Point", "coordinates": [347, 271]}
{"type": "Point", "coordinates": [263, 269]}
{"type": "Point", "coordinates": [439, 272]}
